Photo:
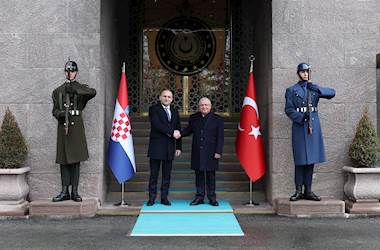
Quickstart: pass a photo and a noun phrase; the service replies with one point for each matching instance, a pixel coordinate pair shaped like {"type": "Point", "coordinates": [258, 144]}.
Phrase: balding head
{"type": "Point", "coordinates": [166, 97]}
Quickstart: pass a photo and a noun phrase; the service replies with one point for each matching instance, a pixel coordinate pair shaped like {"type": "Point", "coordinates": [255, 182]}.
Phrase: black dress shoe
{"type": "Point", "coordinates": [76, 197]}
{"type": "Point", "coordinates": [61, 197]}
{"type": "Point", "coordinates": [150, 203]}
{"type": "Point", "coordinates": [213, 203]}
{"type": "Point", "coordinates": [196, 201]}
{"type": "Point", "coordinates": [298, 195]}
{"type": "Point", "coordinates": [311, 196]}
{"type": "Point", "coordinates": [165, 202]}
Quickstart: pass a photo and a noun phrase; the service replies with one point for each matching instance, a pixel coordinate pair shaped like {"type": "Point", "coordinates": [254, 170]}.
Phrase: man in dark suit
{"type": "Point", "coordinates": [164, 143]}
{"type": "Point", "coordinates": [207, 147]}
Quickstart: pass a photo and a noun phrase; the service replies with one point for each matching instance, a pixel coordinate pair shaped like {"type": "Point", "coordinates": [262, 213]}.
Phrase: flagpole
{"type": "Point", "coordinates": [122, 203]}
{"type": "Point", "coordinates": [251, 203]}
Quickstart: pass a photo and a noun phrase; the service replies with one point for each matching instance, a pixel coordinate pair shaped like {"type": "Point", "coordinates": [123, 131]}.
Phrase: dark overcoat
{"type": "Point", "coordinates": [71, 148]}
{"type": "Point", "coordinates": [307, 148]}
{"type": "Point", "coordinates": [162, 144]}
{"type": "Point", "coordinates": [208, 139]}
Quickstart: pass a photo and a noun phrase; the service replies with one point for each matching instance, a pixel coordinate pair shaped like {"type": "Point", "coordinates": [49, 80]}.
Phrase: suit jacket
{"type": "Point", "coordinates": [208, 139]}
{"type": "Point", "coordinates": [71, 148]}
{"type": "Point", "coordinates": [307, 149]}
{"type": "Point", "coordinates": [162, 144]}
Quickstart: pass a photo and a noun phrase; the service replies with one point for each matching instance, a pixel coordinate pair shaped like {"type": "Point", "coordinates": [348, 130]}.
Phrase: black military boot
{"type": "Point", "coordinates": [309, 195]}
{"type": "Point", "coordinates": [63, 196]}
{"type": "Point", "coordinates": [298, 194]}
{"type": "Point", "coordinates": [74, 194]}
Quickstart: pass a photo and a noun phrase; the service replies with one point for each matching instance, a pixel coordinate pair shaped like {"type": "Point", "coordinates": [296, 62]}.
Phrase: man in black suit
{"type": "Point", "coordinates": [207, 147]}
{"type": "Point", "coordinates": [164, 143]}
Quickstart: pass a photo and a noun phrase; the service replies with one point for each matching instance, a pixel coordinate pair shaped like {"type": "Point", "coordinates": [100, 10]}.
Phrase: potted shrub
{"type": "Point", "coordinates": [362, 187]}
{"type": "Point", "coordinates": [13, 153]}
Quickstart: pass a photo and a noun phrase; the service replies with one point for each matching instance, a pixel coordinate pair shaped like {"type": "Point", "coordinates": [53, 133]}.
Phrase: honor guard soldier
{"type": "Point", "coordinates": [308, 149]}
{"type": "Point", "coordinates": [69, 100]}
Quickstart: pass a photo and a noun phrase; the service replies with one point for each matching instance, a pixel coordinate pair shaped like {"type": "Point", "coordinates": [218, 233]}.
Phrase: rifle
{"type": "Point", "coordinates": [309, 104]}
{"type": "Point", "coordinates": [67, 106]}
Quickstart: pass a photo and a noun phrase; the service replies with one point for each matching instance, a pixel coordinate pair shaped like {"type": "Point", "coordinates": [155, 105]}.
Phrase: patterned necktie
{"type": "Point", "coordinates": [167, 113]}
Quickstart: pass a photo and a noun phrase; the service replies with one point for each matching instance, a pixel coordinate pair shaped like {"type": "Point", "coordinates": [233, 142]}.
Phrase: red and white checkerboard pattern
{"type": "Point", "coordinates": [120, 127]}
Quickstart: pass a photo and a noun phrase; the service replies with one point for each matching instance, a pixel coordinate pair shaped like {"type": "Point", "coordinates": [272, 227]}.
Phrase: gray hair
{"type": "Point", "coordinates": [204, 99]}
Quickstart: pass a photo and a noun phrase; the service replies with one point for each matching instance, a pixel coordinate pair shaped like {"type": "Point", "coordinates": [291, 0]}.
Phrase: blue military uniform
{"type": "Point", "coordinates": [308, 149]}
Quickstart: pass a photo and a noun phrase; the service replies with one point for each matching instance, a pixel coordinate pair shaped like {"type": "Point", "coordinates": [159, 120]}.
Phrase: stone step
{"type": "Point", "coordinates": [186, 156]}
{"type": "Point", "coordinates": [86, 208]}
{"type": "Point", "coordinates": [137, 198]}
{"type": "Point", "coordinates": [146, 125]}
{"type": "Point", "coordinates": [145, 140]}
{"type": "Point", "coordinates": [144, 131]}
{"type": "Point", "coordinates": [305, 208]}
{"type": "Point", "coordinates": [186, 147]}
{"type": "Point", "coordinates": [184, 119]}
{"type": "Point", "coordinates": [224, 166]}
{"type": "Point", "coordinates": [188, 185]}
{"type": "Point", "coordinates": [186, 175]}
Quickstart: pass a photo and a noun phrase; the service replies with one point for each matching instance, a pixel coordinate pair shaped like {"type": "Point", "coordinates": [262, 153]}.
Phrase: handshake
{"type": "Point", "coordinates": [177, 134]}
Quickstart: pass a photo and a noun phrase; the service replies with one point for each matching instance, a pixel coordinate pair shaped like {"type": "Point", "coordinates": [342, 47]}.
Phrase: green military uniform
{"type": "Point", "coordinates": [71, 146]}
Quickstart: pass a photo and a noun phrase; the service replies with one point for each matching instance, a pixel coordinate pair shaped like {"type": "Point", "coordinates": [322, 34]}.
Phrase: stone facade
{"type": "Point", "coordinates": [341, 38]}
{"type": "Point", "coordinates": [36, 39]}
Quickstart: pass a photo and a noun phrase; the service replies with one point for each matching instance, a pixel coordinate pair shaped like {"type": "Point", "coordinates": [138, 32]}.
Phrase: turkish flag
{"type": "Point", "coordinates": [249, 140]}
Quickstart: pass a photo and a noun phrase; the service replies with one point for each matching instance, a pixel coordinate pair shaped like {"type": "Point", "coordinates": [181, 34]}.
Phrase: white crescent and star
{"type": "Point", "coordinates": [248, 101]}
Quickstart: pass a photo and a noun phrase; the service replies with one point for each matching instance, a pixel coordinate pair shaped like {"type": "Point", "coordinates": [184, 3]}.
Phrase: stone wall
{"type": "Point", "coordinates": [263, 74]}
{"type": "Point", "coordinates": [36, 38]}
{"type": "Point", "coordinates": [378, 90]}
{"type": "Point", "coordinates": [110, 71]}
{"type": "Point", "coordinates": [341, 38]}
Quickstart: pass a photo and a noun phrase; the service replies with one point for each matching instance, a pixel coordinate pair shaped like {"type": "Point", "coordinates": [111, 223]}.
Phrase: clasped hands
{"type": "Point", "coordinates": [177, 134]}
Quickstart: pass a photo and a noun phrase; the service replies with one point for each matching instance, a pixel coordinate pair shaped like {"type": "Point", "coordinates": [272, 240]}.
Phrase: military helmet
{"type": "Point", "coordinates": [71, 66]}
{"type": "Point", "coordinates": [302, 67]}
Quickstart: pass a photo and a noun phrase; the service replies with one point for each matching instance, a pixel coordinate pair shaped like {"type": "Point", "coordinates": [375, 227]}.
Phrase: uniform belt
{"type": "Point", "coordinates": [74, 112]}
{"type": "Point", "coordinates": [304, 109]}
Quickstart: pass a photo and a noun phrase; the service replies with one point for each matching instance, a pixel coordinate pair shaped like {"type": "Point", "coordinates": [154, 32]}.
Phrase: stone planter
{"type": "Point", "coordinates": [362, 189]}
{"type": "Point", "coordinates": [13, 191]}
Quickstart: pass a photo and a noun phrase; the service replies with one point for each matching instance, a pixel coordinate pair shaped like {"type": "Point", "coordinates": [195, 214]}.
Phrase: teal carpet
{"type": "Point", "coordinates": [181, 219]}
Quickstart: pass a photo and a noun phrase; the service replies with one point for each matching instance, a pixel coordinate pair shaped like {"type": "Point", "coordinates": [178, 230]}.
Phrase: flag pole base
{"type": "Point", "coordinates": [251, 204]}
{"type": "Point", "coordinates": [122, 204]}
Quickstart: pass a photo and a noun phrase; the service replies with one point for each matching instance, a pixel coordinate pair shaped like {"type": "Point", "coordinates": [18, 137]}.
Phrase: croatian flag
{"type": "Point", "coordinates": [121, 156]}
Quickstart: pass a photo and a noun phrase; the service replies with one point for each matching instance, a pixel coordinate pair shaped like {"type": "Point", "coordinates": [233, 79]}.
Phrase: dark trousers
{"type": "Point", "coordinates": [70, 174]}
{"type": "Point", "coordinates": [202, 188]}
{"type": "Point", "coordinates": [304, 175]}
{"type": "Point", "coordinates": [165, 182]}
